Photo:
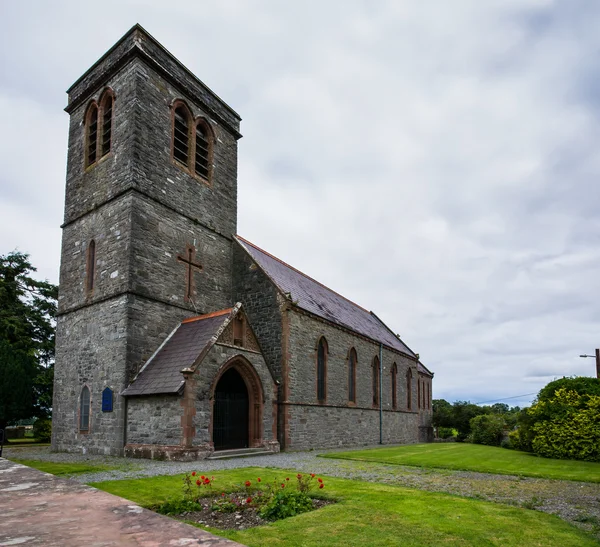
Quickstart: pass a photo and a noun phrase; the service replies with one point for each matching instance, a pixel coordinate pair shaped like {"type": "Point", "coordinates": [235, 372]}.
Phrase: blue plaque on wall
{"type": "Point", "coordinates": [107, 400]}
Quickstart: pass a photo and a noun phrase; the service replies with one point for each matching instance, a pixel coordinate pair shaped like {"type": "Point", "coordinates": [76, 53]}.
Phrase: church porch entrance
{"type": "Point", "coordinates": [236, 407]}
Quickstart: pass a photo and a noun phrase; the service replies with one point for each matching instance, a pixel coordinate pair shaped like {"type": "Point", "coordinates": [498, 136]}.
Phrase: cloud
{"type": "Point", "coordinates": [435, 162]}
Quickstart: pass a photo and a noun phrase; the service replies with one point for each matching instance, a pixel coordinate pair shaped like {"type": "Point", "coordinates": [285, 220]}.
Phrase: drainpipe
{"type": "Point", "coordinates": [380, 393]}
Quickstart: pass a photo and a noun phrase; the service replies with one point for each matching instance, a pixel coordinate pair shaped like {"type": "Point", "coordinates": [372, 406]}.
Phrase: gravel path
{"type": "Point", "coordinates": [576, 502]}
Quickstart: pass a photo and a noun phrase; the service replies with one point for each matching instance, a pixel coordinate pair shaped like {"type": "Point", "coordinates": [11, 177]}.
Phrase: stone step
{"type": "Point", "coordinates": [238, 453]}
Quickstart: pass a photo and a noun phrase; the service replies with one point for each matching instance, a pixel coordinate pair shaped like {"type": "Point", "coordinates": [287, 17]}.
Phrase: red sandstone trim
{"type": "Point", "coordinates": [207, 315]}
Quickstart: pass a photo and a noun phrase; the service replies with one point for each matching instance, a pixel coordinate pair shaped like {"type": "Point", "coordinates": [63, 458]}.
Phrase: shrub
{"type": "Point", "coordinates": [487, 429]}
{"type": "Point", "coordinates": [42, 430]}
{"type": "Point", "coordinates": [445, 432]}
{"type": "Point", "coordinates": [570, 428]}
{"type": "Point", "coordinates": [286, 503]}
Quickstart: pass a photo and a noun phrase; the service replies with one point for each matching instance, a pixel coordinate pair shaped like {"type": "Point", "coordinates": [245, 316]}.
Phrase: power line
{"type": "Point", "coordinates": [505, 398]}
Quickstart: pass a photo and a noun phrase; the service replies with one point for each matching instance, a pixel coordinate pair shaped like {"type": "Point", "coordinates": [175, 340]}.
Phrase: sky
{"type": "Point", "coordinates": [436, 162]}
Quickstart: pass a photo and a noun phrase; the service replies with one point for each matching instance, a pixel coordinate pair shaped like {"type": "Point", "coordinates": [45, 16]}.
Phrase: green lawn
{"type": "Point", "coordinates": [370, 514]}
{"type": "Point", "coordinates": [475, 457]}
{"type": "Point", "coordinates": [65, 469]}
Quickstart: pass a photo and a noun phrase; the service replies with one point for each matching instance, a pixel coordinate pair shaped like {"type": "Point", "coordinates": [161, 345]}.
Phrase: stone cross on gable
{"type": "Point", "coordinates": [189, 258]}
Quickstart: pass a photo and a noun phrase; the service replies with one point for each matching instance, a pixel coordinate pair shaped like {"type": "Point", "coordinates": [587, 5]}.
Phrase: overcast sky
{"type": "Point", "coordinates": [436, 162]}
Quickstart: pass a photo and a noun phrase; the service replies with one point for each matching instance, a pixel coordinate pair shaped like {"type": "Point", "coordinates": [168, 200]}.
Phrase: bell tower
{"type": "Point", "coordinates": [150, 211]}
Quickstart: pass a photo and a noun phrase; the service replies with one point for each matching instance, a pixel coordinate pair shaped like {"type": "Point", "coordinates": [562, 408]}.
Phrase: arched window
{"type": "Point", "coordinates": [322, 370]}
{"type": "Point", "coordinates": [428, 396]}
{"type": "Point", "coordinates": [84, 409]}
{"type": "Point", "coordinates": [352, 361]}
{"type": "Point", "coordinates": [91, 135]}
{"type": "Point", "coordinates": [90, 266]}
{"type": "Point", "coordinates": [409, 389]}
{"type": "Point", "coordinates": [193, 139]}
{"type": "Point", "coordinates": [202, 149]}
{"type": "Point", "coordinates": [375, 377]}
{"type": "Point", "coordinates": [181, 135]}
{"type": "Point", "coordinates": [394, 386]}
{"type": "Point", "coordinates": [106, 111]}
{"type": "Point", "coordinates": [418, 392]}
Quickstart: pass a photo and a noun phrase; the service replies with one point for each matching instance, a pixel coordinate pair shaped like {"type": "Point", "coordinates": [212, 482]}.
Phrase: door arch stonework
{"type": "Point", "coordinates": [255, 398]}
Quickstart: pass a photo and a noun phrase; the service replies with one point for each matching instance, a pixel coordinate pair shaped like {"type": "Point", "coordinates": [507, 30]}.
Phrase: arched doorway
{"type": "Point", "coordinates": [230, 422]}
{"type": "Point", "coordinates": [237, 404]}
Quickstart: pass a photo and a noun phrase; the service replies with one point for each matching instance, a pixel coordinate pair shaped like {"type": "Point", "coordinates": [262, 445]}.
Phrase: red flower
{"type": "Point", "coordinates": [287, 478]}
{"type": "Point", "coordinates": [222, 494]}
{"type": "Point", "coordinates": [312, 475]}
{"type": "Point", "coordinates": [249, 500]}
{"type": "Point", "coordinates": [282, 485]}
{"type": "Point", "coordinates": [321, 485]}
{"type": "Point", "coordinates": [202, 477]}
{"type": "Point", "coordinates": [247, 483]}
{"type": "Point", "coordinates": [299, 476]}
{"type": "Point", "coordinates": [320, 480]}
{"type": "Point", "coordinates": [258, 479]}
{"type": "Point", "coordinates": [198, 482]}
{"type": "Point", "coordinates": [193, 473]}
{"type": "Point", "coordinates": [206, 480]}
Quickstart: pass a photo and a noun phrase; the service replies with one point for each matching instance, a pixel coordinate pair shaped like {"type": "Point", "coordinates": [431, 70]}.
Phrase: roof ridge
{"type": "Point", "coordinates": [207, 315]}
{"type": "Point", "coordinates": [300, 272]}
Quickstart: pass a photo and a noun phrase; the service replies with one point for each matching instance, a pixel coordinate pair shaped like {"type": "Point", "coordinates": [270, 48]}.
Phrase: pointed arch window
{"type": "Point", "coordinates": [409, 389]}
{"type": "Point", "coordinates": [322, 351]}
{"type": "Point", "coordinates": [395, 386]}
{"type": "Point", "coordinates": [375, 380]}
{"type": "Point", "coordinates": [98, 128]}
{"type": "Point", "coordinates": [181, 135]}
{"type": "Point", "coordinates": [90, 266]}
{"type": "Point", "coordinates": [352, 362]}
{"type": "Point", "coordinates": [84, 409]}
{"type": "Point", "coordinates": [192, 142]}
{"type": "Point", "coordinates": [106, 109]}
{"type": "Point", "coordinates": [418, 392]}
{"type": "Point", "coordinates": [91, 130]}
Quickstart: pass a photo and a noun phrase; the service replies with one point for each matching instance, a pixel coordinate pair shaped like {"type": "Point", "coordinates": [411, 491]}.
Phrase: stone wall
{"type": "Point", "coordinates": [91, 343]}
{"type": "Point", "coordinates": [337, 422]}
{"type": "Point", "coordinates": [154, 420]}
{"type": "Point", "coordinates": [262, 303]}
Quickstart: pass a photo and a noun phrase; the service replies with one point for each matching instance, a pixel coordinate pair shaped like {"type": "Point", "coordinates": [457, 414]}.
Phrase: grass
{"type": "Point", "coordinates": [475, 457]}
{"type": "Point", "coordinates": [65, 469]}
{"type": "Point", "coordinates": [376, 515]}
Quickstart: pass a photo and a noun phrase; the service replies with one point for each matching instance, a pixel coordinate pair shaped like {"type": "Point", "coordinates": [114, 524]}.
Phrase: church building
{"type": "Point", "coordinates": [176, 337]}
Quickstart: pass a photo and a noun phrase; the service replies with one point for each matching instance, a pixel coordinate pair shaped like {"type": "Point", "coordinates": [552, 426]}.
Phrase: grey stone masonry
{"type": "Point", "coordinates": [263, 304]}
{"type": "Point", "coordinates": [338, 422]}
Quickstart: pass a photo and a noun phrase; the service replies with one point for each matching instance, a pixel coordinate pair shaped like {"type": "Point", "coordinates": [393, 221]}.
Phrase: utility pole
{"type": "Point", "coordinates": [597, 361]}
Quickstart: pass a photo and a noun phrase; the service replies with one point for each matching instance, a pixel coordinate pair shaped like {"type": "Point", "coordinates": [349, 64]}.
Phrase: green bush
{"type": "Point", "coordinates": [286, 503]}
{"type": "Point", "coordinates": [445, 432]}
{"type": "Point", "coordinates": [569, 428]}
{"type": "Point", "coordinates": [487, 429]}
{"type": "Point", "coordinates": [42, 430]}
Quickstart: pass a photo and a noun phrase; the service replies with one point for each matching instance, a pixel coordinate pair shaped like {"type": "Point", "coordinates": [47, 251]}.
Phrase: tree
{"type": "Point", "coordinates": [462, 414]}
{"type": "Point", "coordinates": [442, 413]}
{"type": "Point", "coordinates": [556, 417]}
{"type": "Point", "coordinates": [27, 328]}
{"type": "Point", "coordinates": [487, 429]}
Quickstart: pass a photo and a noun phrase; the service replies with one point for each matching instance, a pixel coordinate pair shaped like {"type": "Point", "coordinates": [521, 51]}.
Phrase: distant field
{"type": "Point", "coordinates": [475, 457]}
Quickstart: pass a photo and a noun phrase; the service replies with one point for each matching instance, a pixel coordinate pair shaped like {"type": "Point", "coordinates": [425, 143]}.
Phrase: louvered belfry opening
{"type": "Point", "coordinates": [92, 135]}
{"type": "Point", "coordinates": [107, 109]}
{"type": "Point", "coordinates": [181, 136]}
{"type": "Point", "coordinates": [231, 412]}
{"type": "Point", "coordinates": [202, 151]}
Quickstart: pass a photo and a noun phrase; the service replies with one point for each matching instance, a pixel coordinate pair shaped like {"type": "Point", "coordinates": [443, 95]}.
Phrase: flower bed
{"type": "Point", "coordinates": [250, 504]}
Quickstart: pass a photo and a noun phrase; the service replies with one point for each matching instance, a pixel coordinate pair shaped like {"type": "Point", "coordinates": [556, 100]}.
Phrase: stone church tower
{"type": "Point", "coordinates": [147, 233]}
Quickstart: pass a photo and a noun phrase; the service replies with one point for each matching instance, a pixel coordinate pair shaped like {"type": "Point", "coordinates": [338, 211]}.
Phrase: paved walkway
{"type": "Point", "coordinates": [40, 509]}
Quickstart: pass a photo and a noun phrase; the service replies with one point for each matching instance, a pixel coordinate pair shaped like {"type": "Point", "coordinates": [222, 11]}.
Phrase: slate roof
{"type": "Point", "coordinates": [421, 368]}
{"type": "Point", "coordinates": [162, 372]}
{"type": "Point", "coordinates": [312, 296]}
